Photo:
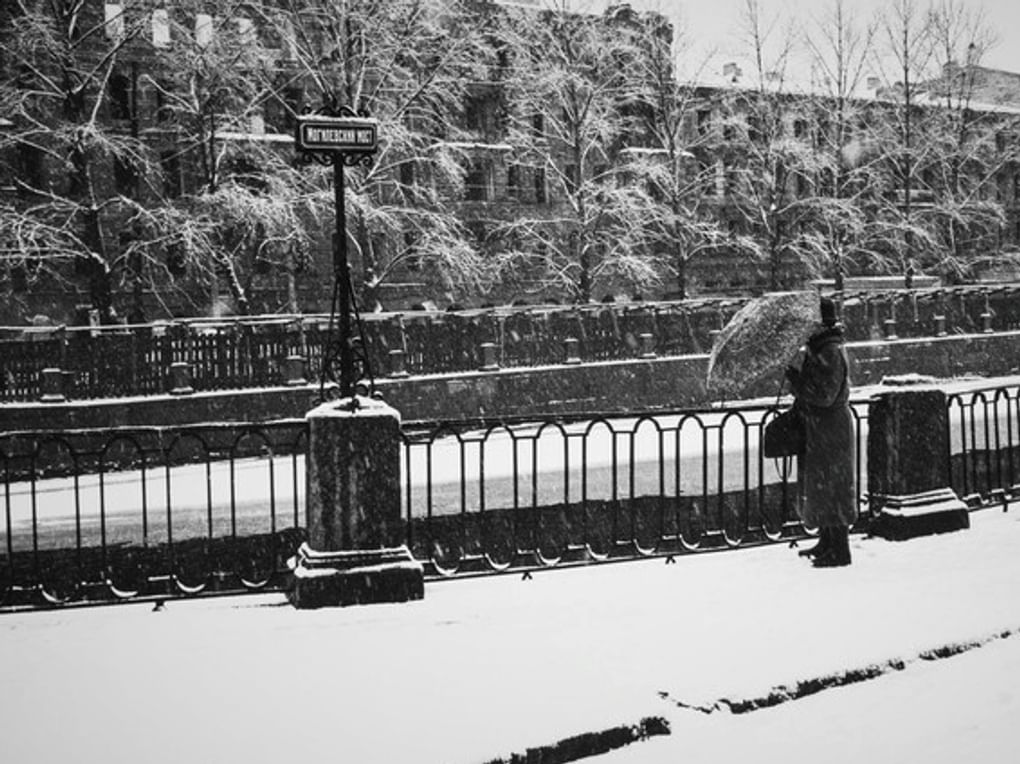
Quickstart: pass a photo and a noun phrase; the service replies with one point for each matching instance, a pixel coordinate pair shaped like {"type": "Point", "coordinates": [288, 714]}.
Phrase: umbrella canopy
{"type": "Point", "coordinates": [757, 344]}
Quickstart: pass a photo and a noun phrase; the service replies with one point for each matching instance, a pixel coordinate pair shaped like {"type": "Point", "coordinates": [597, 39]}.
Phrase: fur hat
{"type": "Point", "coordinates": [828, 310]}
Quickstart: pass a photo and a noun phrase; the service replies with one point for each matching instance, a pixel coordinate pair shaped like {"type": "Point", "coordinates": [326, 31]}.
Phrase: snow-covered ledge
{"type": "Point", "coordinates": [908, 475]}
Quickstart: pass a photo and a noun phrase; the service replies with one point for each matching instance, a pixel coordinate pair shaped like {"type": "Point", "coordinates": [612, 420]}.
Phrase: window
{"type": "Point", "coordinates": [803, 185]}
{"type": "Point", "coordinates": [289, 39]}
{"type": "Point", "coordinates": [823, 130]}
{"type": "Point", "coordinates": [407, 173]}
{"type": "Point", "coordinates": [827, 182]}
{"type": "Point", "coordinates": [513, 180]}
{"type": "Point", "coordinates": [114, 21]}
{"type": "Point", "coordinates": [120, 97]}
{"type": "Point", "coordinates": [204, 30]}
{"type": "Point", "coordinates": [477, 113]}
{"type": "Point", "coordinates": [476, 182]}
{"type": "Point", "coordinates": [245, 32]}
{"type": "Point", "coordinates": [163, 110]}
{"type": "Point", "coordinates": [124, 175]}
{"type": "Point", "coordinates": [32, 165]}
{"type": "Point", "coordinates": [754, 132]}
{"type": "Point", "coordinates": [161, 28]}
{"type": "Point", "coordinates": [539, 180]}
{"type": "Point", "coordinates": [799, 128]}
{"type": "Point", "coordinates": [292, 104]}
{"type": "Point", "coordinates": [478, 231]}
{"type": "Point", "coordinates": [170, 163]}
{"type": "Point", "coordinates": [176, 264]}
{"type": "Point", "coordinates": [704, 121]}
{"type": "Point", "coordinates": [538, 125]}
{"type": "Point", "coordinates": [570, 177]}
{"type": "Point", "coordinates": [707, 175]}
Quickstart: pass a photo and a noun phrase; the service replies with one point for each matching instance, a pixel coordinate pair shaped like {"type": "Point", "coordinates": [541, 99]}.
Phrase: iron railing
{"type": "Point", "coordinates": [483, 496]}
{"type": "Point", "coordinates": [984, 444]}
{"type": "Point", "coordinates": [94, 516]}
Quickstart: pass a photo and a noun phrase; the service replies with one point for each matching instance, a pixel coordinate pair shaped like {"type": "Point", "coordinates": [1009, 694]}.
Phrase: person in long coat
{"type": "Point", "coordinates": [821, 388]}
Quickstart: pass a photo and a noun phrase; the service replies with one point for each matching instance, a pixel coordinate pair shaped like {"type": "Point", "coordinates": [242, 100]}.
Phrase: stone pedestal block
{"type": "Point", "coordinates": [353, 475]}
{"type": "Point", "coordinates": [52, 386]}
{"type": "Point", "coordinates": [489, 362]}
{"type": "Point", "coordinates": [358, 577]}
{"type": "Point", "coordinates": [355, 530]}
{"type": "Point", "coordinates": [398, 364]}
{"type": "Point", "coordinates": [180, 379]}
{"type": "Point", "coordinates": [572, 350]}
{"type": "Point", "coordinates": [295, 371]}
{"type": "Point", "coordinates": [647, 345]}
{"type": "Point", "coordinates": [908, 467]}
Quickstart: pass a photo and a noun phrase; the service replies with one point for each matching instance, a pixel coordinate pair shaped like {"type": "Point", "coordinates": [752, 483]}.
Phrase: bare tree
{"type": "Point", "coordinates": [409, 64]}
{"type": "Point", "coordinates": [767, 160]}
{"type": "Point", "coordinates": [967, 158]}
{"type": "Point", "coordinates": [681, 221]}
{"type": "Point", "coordinates": [905, 55]}
{"type": "Point", "coordinates": [567, 122]}
{"type": "Point", "coordinates": [59, 72]}
{"type": "Point", "coordinates": [840, 47]}
{"type": "Point", "coordinates": [230, 208]}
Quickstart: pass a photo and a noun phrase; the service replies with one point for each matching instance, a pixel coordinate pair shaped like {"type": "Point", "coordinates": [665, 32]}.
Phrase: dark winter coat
{"type": "Point", "coordinates": [826, 469]}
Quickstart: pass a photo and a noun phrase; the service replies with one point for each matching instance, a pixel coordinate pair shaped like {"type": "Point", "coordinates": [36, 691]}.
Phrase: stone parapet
{"type": "Point", "coordinates": [908, 467]}
{"type": "Point", "coordinates": [636, 385]}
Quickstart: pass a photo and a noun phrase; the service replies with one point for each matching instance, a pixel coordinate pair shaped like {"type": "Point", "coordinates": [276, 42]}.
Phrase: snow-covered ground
{"type": "Point", "coordinates": [483, 668]}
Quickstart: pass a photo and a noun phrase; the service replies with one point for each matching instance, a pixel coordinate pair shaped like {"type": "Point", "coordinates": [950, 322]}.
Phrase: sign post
{"type": "Point", "coordinates": [341, 139]}
{"type": "Point", "coordinates": [354, 552]}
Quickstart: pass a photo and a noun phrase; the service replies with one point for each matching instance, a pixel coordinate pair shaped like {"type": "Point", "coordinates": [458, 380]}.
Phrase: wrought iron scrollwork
{"type": "Point", "coordinates": [345, 369]}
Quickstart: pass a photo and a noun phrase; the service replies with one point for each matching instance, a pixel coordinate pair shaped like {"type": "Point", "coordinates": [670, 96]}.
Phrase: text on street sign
{"type": "Point", "coordinates": [336, 134]}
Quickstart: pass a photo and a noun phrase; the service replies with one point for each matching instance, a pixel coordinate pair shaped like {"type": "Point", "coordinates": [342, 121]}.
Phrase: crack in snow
{"type": "Point", "coordinates": [804, 688]}
{"type": "Point", "coordinates": [589, 743]}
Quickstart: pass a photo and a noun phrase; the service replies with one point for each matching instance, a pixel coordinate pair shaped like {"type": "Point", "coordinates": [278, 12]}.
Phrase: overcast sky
{"type": "Point", "coordinates": [713, 23]}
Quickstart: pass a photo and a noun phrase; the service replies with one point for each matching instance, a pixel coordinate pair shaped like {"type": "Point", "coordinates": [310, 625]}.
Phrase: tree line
{"type": "Point", "coordinates": [544, 150]}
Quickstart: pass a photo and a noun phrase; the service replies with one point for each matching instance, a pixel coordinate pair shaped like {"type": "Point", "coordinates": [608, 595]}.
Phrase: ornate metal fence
{"type": "Point", "coordinates": [483, 496]}
{"type": "Point", "coordinates": [94, 516]}
{"type": "Point", "coordinates": [984, 451]}
{"type": "Point", "coordinates": [102, 516]}
{"type": "Point", "coordinates": [99, 516]}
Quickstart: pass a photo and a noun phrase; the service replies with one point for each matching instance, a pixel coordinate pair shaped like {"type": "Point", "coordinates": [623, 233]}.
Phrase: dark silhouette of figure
{"type": "Point", "coordinates": [821, 387]}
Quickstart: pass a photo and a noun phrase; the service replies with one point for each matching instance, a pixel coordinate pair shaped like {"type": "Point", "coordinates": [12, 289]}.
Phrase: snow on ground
{"type": "Point", "coordinates": [962, 709]}
{"type": "Point", "coordinates": [486, 667]}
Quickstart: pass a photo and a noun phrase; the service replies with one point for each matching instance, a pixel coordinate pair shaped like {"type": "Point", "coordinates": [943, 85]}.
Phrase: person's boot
{"type": "Point", "coordinates": [820, 547]}
{"type": "Point", "coordinates": [838, 553]}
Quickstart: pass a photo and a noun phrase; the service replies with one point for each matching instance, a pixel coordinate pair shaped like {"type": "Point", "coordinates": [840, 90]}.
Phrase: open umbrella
{"type": "Point", "coordinates": [751, 352]}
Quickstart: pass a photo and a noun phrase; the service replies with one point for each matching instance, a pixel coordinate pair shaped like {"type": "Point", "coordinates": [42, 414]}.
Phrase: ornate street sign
{"type": "Point", "coordinates": [347, 135]}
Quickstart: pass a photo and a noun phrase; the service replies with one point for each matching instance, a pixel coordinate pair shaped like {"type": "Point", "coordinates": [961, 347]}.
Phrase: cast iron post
{"type": "Point", "coordinates": [344, 138]}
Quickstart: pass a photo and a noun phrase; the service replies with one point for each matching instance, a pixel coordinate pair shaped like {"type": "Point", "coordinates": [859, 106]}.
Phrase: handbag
{"type": "Point", "coordinates": [786, 435]}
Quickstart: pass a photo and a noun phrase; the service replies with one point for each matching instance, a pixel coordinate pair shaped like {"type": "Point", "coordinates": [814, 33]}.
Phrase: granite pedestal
{"type": "Point", "coordinates": [354, 552]}
{"type": "Point", "coordinates": [908, 468]}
